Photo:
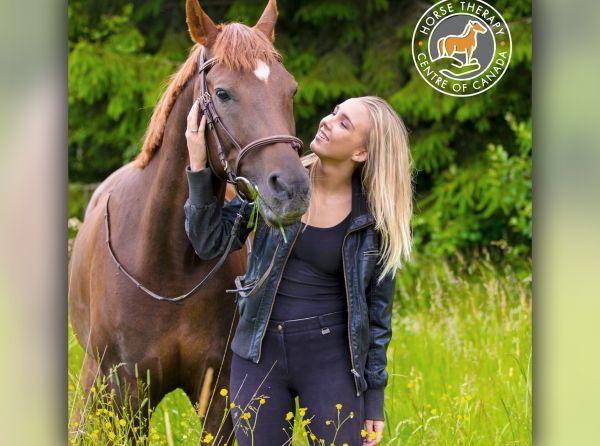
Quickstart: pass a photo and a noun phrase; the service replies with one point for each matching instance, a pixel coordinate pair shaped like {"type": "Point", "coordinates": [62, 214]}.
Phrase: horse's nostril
{"type": "Point", "coordinates": [279, 186]}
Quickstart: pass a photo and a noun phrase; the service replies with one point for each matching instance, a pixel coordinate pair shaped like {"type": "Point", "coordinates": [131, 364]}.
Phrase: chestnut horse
{"type": "Point", "coordinates": [111, 317]}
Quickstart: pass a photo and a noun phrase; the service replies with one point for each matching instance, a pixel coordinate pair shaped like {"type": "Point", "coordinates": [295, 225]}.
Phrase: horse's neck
{"type": "Point", "coordinates": [162, 219]}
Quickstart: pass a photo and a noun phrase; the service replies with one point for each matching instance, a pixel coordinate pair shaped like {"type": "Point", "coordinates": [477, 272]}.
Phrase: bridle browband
{"type": "Point", "coordinates": [212, 119]}
{"type": "Point", "coordinates": [226, 173]}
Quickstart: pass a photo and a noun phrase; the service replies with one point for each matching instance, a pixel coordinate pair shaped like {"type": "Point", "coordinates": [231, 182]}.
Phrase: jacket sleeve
{"type": "Point", "coordinates": [379, 300]}
{"type": "Point", "coordinates": [207, 225]}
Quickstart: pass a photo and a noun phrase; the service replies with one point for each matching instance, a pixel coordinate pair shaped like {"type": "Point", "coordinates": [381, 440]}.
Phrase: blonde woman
{"type": "Point", "coordinates": [326, 336]}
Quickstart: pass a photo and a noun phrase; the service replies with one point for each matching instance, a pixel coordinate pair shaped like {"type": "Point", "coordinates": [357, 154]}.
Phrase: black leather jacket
{"type": "Point", "coordinates": [370, 305]}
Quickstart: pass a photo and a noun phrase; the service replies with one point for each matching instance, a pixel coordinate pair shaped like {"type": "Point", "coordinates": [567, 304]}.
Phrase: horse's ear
{"type": "Point", "coordinates": [266, 23]}
{"type": "Point", "coordinates": [200, 26]}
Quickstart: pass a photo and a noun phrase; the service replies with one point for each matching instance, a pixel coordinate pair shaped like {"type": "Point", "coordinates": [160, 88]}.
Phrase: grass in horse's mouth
{"type": "Point", "coordinates": [253, 221]}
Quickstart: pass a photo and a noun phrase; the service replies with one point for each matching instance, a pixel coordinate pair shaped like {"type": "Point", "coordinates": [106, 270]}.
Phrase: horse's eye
{"type": "Point", "coordinates": [222, 95]}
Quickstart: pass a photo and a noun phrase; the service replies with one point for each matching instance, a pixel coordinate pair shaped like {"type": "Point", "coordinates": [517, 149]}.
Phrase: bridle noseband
{"type": "Point", "coordinates": [226, 173]}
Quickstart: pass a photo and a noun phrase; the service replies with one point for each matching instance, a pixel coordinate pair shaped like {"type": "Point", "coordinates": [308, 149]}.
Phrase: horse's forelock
{"type": "Point", "coordinates": [238, 47]}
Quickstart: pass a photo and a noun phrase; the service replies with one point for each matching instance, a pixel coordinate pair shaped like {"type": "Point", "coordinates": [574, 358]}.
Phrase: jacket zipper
{"type": "Point", "coordinates": [276, 287]}
{"type": "Point", "coordinates": [353, 369]}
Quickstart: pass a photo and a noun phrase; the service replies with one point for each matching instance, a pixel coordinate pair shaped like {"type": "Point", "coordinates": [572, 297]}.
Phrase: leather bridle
{"type": "Point", "coordinates": [247, 191]}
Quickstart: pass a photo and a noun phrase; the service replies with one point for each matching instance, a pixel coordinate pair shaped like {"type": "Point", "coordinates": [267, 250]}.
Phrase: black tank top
{"type": "Point", "coordinates": [312, 282]}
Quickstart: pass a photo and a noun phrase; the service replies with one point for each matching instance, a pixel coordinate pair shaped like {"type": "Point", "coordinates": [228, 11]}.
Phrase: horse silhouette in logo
{"type": "Point", "coordinates": [465, 43]}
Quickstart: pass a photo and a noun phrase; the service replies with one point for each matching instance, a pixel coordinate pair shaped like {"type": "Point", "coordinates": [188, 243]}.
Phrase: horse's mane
{"type": "Point", "coordinates": [237, 46]}
{"type": "Point", "coordinates": [466, 30]}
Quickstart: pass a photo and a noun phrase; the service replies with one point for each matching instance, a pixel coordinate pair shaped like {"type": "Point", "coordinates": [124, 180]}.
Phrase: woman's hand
{"type": "Point", "coordinates": [373, 426]}
{"type": "Point", "coordinates": [196, 141]}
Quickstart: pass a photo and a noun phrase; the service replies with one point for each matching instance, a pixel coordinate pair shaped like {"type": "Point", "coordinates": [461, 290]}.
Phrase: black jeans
{"type": "Point", "coordinates": [309, 358]}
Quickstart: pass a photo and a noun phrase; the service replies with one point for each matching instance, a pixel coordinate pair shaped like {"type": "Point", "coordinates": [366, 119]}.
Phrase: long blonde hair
{"type": "Point", "coordinates": [387, 178]}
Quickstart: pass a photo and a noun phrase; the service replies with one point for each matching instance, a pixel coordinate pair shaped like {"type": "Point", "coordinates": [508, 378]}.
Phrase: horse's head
{"type": "Point", "coordinates": [253, 94]}
{"type": "Point", "coordinates": [478, 27]}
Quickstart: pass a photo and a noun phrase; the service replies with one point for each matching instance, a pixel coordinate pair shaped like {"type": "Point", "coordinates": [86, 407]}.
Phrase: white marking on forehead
{"type": "Point", "coordinates": [262, 71]}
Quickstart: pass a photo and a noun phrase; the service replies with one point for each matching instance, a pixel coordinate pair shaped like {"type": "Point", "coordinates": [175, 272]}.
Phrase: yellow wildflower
{"type": "Point", "coordinates": [351, 414]}
{"type": "Point", "coordinates": [338, 406]}
{"type": "Point", "coordinates": [223, 392]}
{"type": "Point", "coordinates": [289, 416]}
{"type": "Point", "coordinates": [302, 411]}
{"type": "Point", "coordinates": [313, 437]}
{"type": "Point", "coordinates": [328, 422]}
{"type": "Point", "coordinates": [111, 435]}
{"type": "Point", "coordinates": [373, 435]}
{"type": "Point", "coordinates": [363, 433]}
{"type": "Point", "coordinates": [93, 390]}
{"type": "Point", "coordinates": [262, 401]}
{"type": "Point", "coordinates": [208, 438]}
{"type": "Point", "coordinates": [246, 415]}
{"type": "Point", "coordinates": [122, 423]}
{"type": "Point", "coordinates": [232, 405]}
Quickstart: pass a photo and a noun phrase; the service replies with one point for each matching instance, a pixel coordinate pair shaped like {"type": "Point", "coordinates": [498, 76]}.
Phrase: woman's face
{"type": "Point", "coordinates": [342, 135]}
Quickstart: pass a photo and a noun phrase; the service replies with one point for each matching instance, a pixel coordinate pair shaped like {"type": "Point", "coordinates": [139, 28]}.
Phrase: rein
{"type": "Point", "coordinates": [247, 193]}
{"type": "Point", "coordinates": [193, 291]}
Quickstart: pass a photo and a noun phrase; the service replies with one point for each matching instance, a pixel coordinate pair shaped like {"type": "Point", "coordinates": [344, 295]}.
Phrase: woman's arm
{"type": "Point", "coordinates": [379, 301]}
{"type": "Point", "coordinates": [207, 225]}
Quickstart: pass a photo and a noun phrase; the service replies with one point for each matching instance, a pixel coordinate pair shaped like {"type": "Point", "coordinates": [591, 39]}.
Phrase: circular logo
{"type": "Point", "coordinates": [461, 48]}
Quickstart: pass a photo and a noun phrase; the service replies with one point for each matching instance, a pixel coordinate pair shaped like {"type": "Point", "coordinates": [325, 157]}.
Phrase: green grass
{"type": "Point", "coordinates": [459, 364]}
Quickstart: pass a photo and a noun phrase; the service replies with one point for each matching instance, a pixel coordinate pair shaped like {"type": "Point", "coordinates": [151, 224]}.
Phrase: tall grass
{"type": "Point", "coordinates": [459, 366]}
{"type": "Point", "coordinates": [460, 359]}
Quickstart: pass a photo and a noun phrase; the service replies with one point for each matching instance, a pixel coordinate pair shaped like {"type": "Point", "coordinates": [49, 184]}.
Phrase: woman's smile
{"type": "Point", "coordinates": [321, 135]}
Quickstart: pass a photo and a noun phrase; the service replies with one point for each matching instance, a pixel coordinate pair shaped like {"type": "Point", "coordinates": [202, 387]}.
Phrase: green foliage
{"type": "Point", "coordinates": [472, 155]}
{"type": "Point", "coordinates": [486, 203]}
